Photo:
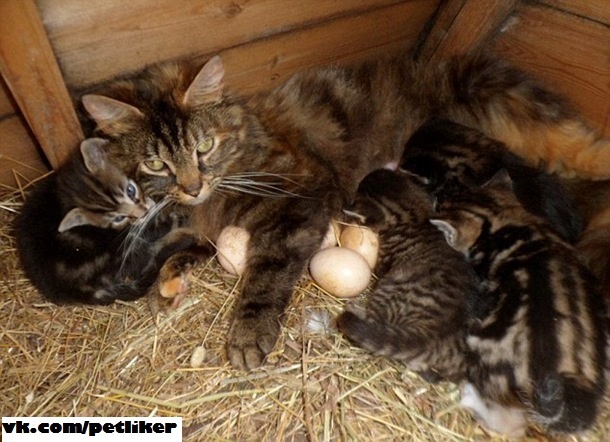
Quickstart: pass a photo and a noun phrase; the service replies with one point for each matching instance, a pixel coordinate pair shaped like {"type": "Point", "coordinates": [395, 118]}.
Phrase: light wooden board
{"type": "Point", "coordinates": [569, 53]}
{"type": "Point", "coordinates": [6, 105]}
{"type": "Point", "coordinates": [31, 73]}
{"type": "Point", "coordinates": [19, 155]}
{"type": "Point", "coordinates": [98, 41]}
{"type": "Point", "coordinates": [463, 26]}
{"type": "Point", "coordinates": [598, 10]}
{"type": "Point", "coordinates": [263, 64]}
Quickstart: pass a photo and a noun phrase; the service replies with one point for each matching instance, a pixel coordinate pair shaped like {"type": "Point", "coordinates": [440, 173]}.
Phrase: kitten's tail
{"type": "Point", "coordinates": [566, 403]}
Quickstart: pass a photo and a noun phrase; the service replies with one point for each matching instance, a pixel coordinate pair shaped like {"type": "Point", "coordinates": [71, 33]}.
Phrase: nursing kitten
{"type": "Point", "coordinates": [417, 312]}
{"type": "Point", "coordinates": [442, 151]}
{"type": "Point", "coordinates": [308, 143]}
{"type": "Point", "coordinates": [71, 233]}
{"type": "Point", "coordinates": [537, 330]}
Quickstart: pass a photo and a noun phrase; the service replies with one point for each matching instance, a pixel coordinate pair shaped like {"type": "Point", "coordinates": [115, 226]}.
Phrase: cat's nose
{"type": "Point", "coordinates": [192, 189]}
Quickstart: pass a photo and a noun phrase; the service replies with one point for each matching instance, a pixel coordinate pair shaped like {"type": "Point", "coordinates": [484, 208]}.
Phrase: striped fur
{"type": "Point", "coordinates": [537, 330]}
{"type": "Point", "coordinates": [308, 143]}
{"type": "Point", "coordinates": [417, 310]}
{"type": "Point", "coordinates": [72, 229]}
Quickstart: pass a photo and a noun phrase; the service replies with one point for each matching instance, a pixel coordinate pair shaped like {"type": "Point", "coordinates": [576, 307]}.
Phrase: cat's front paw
{"type": "Point", "coordinates": [250, 340]}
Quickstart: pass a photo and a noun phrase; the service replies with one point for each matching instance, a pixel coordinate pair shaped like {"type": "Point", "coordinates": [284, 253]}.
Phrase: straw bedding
{"type": "Point", "coordinates": [122, 361]}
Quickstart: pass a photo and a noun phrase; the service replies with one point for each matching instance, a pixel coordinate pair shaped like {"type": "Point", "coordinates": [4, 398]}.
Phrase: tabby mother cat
{"type": "Point", "coordinates": [309, 142]}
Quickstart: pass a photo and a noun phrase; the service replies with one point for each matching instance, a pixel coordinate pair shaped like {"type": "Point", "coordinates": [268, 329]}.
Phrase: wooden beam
{"type": "Point", "coordinates": [31, 72]}
{"type": "Point", "coordinates": [461, 26]}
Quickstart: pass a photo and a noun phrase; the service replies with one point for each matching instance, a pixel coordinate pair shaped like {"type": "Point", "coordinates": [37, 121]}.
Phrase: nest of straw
{"type": "Point", "coordinates": [121, 361]}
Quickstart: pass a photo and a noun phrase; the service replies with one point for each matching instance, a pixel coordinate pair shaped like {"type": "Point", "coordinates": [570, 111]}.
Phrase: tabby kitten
{"type": "Point", "coordinates": [537, 328]}
{"type": "Point", "coordinates": [73, 226]}
{"type": "Point", "coordinates": [417, 310]}
{"type": "Point", "coordinates": [182, 135]}
{"type": "Point", "coordinates": [442, 151]}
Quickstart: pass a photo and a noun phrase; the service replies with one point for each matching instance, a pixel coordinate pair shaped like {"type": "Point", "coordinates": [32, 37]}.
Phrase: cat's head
{"type": "Point", "coordinates": [173, 128]}
{"type": "Point", "coordinates": [103, 196]}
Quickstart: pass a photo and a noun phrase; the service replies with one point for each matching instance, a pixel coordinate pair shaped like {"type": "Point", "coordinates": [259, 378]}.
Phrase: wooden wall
{"type": "Point", "coordinates": [78, 44]}
{"type": "Point", "coordinates": [20, 157]}
{"type": "Point", "coordinates": [566, 43]}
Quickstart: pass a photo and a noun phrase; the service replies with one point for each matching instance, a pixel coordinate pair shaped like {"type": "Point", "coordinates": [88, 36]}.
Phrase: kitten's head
{"type": "Point", "coordinates": [173, 129]}
{"type": "Point", "coordinates": [442, 151]}
{"type": "Point", "coordinates": [386, 197]}
{"type": "Point", "coordinates": [98, 193]}
{"type": "Point", "coordinates": [463, 213]}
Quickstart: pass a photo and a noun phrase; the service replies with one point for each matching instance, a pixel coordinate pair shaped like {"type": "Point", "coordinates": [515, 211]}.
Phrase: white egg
{"type": "Point", "coordinates": [330, 239]}
{"type": "Point", "coordinates": [362, 240]}
{"type": "Point", "coordinates": [232, 247]}
{"type": "Point", "coordinates": [341, 272]}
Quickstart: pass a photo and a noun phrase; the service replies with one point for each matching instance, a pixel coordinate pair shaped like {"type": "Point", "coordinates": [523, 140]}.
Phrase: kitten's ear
{"type": "Point", "coordinates": [74, 218]}
{"type": "Point", "coordinates": [500, 180]}
{"type": "Point", "coordinates": [111, 116]}
{"type": "Point", "coordinates": [207, 85]}
{"type": "Point", "coordinates": [451, 234]}
{"type": "Point", "coordinates": [94, 154]}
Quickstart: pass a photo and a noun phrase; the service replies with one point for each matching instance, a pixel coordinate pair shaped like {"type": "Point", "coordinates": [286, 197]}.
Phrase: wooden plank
{"type": "Point", "coordinates": [31, 72]}
{"type": "Point", "coordinates": [569, 53]}
{"type": "Point", "coordinates": [98, 41]}
{"type": "Point", "coordinates": [266, 63]}
{"type": "Point", "coordinates": [462, 26]}
{"type": "Point", "coordinates": [598, 10]}
{"type": "Point", "coordinates": [7, 107]}
{"type": "Point", "coordinates": [19, 154]}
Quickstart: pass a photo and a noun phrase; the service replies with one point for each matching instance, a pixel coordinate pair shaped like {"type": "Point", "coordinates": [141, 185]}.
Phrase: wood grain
{"type": "Point", "coordinates": [264, 64]}
{"type": "Point", "coordinates": [461, 26]}
{"type": "Point", "coordinates": [19, 155]}
{"type": "Point", "coordinates": [31, 73]}
{"type": "Point", "coordinates": [567, 52]}
{"type": "Point", "coordinates": [598, 10]}
{"type": "Point", "coordinates": [94, 44]}
{"type": "Point", "coordinates": [7, 106]}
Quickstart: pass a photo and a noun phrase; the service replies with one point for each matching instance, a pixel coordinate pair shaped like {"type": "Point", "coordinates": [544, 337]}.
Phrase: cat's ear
{"type": "Point", "coordinates": [207, 85]}
{"type": "Point", "coordinates": [500, 180]}
{"type": "Point", "coordinates": [74, 218]}
{"type": "Point", "coordinates": [94, 154]}
{"type": "Point", "coordinates": [111, 116]}
{"type": "Point", "coordinates": [451, 234]}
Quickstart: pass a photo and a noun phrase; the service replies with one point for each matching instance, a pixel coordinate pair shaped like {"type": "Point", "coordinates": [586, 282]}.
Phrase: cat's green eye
{"type": "Point", "coordinates": [155, 165]}
{"type": "Point", "coordinates": [205, 145]}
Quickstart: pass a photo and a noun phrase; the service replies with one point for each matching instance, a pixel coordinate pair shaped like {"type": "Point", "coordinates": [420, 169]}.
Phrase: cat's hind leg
{"type": "Point", "coordinates": [508, 421]}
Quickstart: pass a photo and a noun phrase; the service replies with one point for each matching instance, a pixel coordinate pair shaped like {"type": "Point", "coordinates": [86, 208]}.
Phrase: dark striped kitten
{"type": "Point", "coordinates": [72, 227]}
{"type": "Point", "coordinates": [181, 134]}
{"type": "Point", "coordinates": [442, 151]}
{"type": "Point", "coordinates": [537, 328]}
{"type": "Point", "coordinates": [417, 310]}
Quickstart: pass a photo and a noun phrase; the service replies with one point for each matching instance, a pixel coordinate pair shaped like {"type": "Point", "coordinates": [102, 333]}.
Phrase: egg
{"type": "Point", "coordinates": [232, 247]}
{"type": "Point", "coordinates": [330, 239]}
{"type": "Point", "coordinates": [340, 271]}
{"type": "Point", "coordinates": [362, 240]}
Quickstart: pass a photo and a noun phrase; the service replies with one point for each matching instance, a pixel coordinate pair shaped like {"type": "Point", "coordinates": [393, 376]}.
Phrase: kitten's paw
{"type": "Point", "coordinates": [250, 340]}
{"type": "Point", "coordinates": [174, 287]}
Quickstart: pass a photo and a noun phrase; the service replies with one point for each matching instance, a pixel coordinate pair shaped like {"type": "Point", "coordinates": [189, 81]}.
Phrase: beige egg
{"type": "Point", "coordinates": [341, 272]}
{"type": "Point", "coordinates": [330, 239]}
{"type": "Point", "coordinates": [232, 247]}
{"type": "Point", "coordinates": [362, 240]}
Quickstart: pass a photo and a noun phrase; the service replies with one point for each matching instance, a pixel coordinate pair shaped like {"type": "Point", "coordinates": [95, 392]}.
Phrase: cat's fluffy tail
{"type": "Point", "coordinates": [507, 104]}
{"type": "Point", "coordinates": [566, 403]}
